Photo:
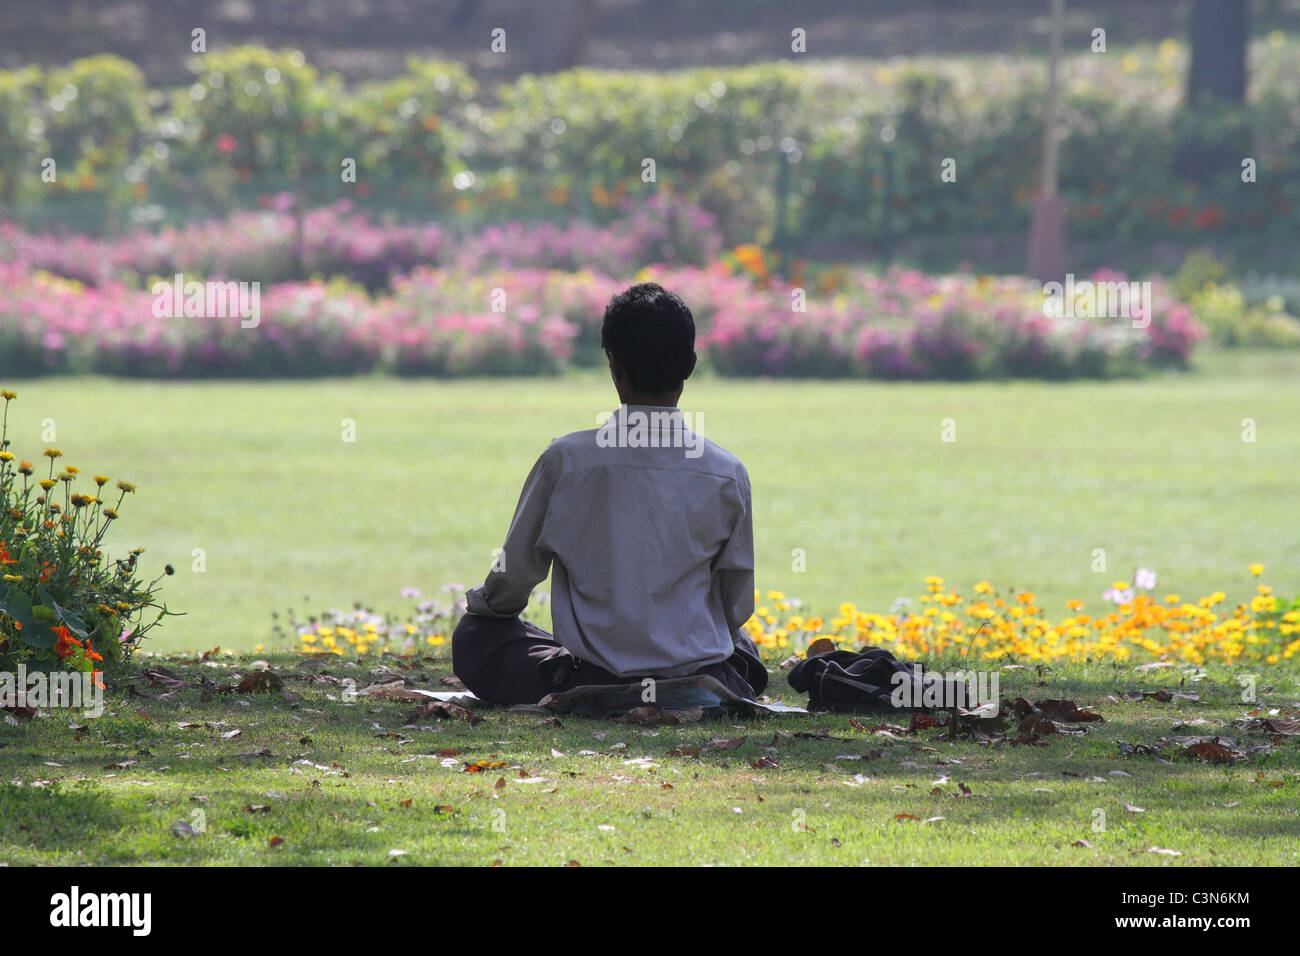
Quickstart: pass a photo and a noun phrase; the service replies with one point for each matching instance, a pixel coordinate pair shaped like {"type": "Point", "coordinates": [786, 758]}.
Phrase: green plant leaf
{"type": "Point", "coordinates": [71, 620]}
{"type": "Point", "coordinates": [18, 606]}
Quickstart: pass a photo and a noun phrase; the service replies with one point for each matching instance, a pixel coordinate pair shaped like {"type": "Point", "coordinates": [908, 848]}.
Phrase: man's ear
{"type": "Point", "coordinates": [690, 369]}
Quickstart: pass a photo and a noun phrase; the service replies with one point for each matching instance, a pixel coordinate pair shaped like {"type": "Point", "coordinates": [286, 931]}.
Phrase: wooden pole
{"type": "Point", "coordinates": [1047, 229]}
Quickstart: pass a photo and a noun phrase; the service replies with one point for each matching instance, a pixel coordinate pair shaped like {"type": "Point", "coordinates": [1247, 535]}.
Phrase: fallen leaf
{"type": "Point", "coordinates": [259, 682]}
{"type": "Point", "coordinates": [1213, 752]}
{"type": "Point", "coordinates": [444, 708]}
{"type": "Point", "coordinates": [1068, 711]}
{"type": "Point", "coordinates": [922, 722]}
{"type": "Point", "coordinates": [648, 717]}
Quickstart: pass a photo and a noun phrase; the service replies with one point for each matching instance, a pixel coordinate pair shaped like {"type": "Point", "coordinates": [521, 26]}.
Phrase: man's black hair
{"type": "Point", "coordinates": [651, 333]}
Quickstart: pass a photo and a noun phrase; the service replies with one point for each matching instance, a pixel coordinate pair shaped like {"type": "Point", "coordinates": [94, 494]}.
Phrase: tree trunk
{"type": "Point", "coordinates": [1218, 50]}
{"type": "Point", "coordinates": [561, 29]}
{"type": "Point", "coordinates": [1212, 144]}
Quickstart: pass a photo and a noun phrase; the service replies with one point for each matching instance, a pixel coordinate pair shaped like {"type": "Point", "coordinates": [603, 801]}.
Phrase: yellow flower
{"type": "Point", "coordinates": [6, 456]}
{"type": "Point", "coordinates": [53, 453]}
{"type": "Point", "coordinates": [101, 480]}
{"type": "Point", "coordinates": [8, 396]}
{"type": "Point", "coordinates": [1257, 569]}
{"type": "Point", "coordinates": [126, 487]}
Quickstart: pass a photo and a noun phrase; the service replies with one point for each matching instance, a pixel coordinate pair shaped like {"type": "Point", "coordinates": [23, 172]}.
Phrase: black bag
{"type": "Point", "coordinates": [871, 682]}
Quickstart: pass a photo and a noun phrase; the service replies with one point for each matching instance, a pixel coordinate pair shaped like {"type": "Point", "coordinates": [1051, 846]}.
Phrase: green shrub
{"type": "Point", "coordinates": [22, 132]}
{"type": "Point", "coordinates": [62, 604]}
{"type": "Point", "coordinates": [97, 123]}
{"type": "Point", "coordinates": [254, 113]}
{"type": "Point", "coordinates": [405, 131]}
{"type": "Point", "coordinates": [849, 152]}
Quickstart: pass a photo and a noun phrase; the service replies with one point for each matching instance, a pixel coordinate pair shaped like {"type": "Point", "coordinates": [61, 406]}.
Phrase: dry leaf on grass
{"type": "Point", "coordinates": [444, 708]}
{"type": "Point", "coordinates": [1213, 752]}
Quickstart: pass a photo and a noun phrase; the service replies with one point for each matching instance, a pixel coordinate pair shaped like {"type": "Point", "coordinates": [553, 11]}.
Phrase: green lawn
{"type": "Point", "coordinates": [344, 783]}
{"type": "Point", "coordinates": [1153, 471]}
{"type": "Point", "coordinates": [257, 475]}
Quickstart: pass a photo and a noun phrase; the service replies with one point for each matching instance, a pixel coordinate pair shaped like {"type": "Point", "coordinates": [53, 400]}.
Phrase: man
{"type": "Point", "coordinates": [647, 528]}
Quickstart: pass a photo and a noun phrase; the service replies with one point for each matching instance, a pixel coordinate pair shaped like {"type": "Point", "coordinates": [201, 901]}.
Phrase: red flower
{"type": "Point", "coordinates": [226, 143]}
{"type": "Point", "coordinates": [1209, 218]}
{"type": "Point", "coordinates": [4, 555]}
{"type": "Point", "coordinates": [64, 646]}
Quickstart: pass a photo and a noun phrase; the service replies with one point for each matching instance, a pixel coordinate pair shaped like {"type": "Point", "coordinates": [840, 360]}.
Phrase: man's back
{"type": "Point", "coordinates": [652, 545]}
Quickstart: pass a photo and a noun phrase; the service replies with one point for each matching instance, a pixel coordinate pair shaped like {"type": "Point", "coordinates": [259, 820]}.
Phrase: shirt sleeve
{"type": "Point", "coordinates": [523, 563]}
{"type": "Point", "coordinates": [734, 566]}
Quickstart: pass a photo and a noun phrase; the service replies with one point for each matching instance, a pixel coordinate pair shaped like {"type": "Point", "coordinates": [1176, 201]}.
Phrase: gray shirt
{"type": "Point", "coordinates": [650, 533]}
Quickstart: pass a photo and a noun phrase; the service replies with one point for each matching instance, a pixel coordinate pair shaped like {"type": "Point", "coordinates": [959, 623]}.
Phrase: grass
{"type": "Point", "coordinates": [347, 783]}
{"type": "Point", "coordinates": [256, 475]}
{"type": "Point", "coordinates": [284, 512]}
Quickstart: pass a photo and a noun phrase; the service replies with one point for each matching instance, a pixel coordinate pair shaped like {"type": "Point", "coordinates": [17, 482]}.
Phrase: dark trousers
{"type": "Point", "coordinates": [505, 660]}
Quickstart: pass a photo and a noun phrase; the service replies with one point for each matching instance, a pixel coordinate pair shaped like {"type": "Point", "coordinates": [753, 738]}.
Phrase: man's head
{"type": "Point", "coordinates": [649, 335]}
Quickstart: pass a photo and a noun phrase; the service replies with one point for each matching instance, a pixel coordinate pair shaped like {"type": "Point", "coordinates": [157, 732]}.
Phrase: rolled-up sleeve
{"type": "Point", "coordinates": [734, 566]}
{"type": "Point", "coordinates": [524, 562]}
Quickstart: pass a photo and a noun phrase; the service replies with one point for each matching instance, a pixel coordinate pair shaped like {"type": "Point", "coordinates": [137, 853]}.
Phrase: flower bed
{"type": "Point", "coordinates": [992, 625]}
{"type": "Point", "coordinates": [339, 240]}
{"type": "Point", "coordinates": [988, 625]}
{"type": "Point", "coordinates": [536, 321]}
